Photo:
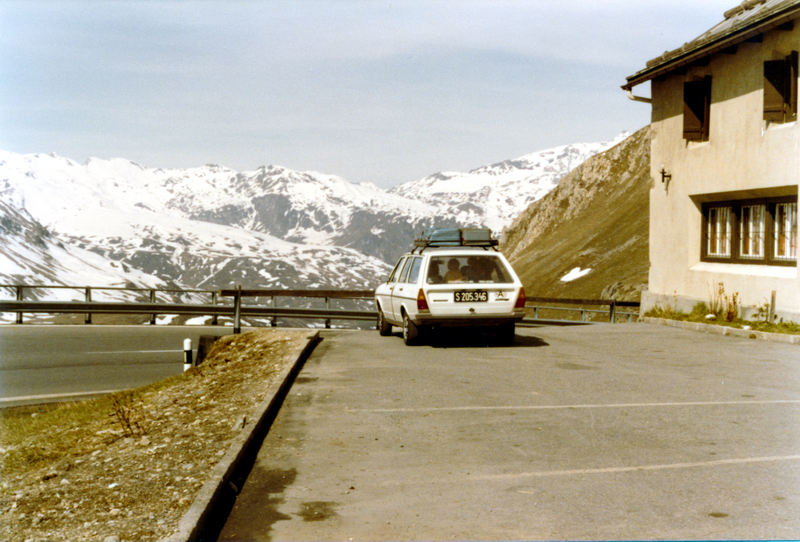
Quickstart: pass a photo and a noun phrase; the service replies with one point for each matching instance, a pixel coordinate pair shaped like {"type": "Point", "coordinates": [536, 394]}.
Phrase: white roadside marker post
{"type": "Point", "coordinates": [187, 354]}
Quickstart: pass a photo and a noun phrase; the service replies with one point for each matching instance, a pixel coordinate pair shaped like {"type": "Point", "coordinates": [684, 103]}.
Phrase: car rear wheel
{"type": "Point", "coordinates": [384, 327]}
{"type": "Point", "coordinates": [410, 331]}
{"type": "Point", "coordinates": [505, 335]}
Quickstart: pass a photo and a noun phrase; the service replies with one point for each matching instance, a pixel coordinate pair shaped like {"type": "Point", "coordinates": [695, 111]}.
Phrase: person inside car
{"type": "Point", "coordinates": [434, 277]}
{"type": "Point", "coordinates": [454, 273]}
{"type": "Point", "coordinates": [473, 271]}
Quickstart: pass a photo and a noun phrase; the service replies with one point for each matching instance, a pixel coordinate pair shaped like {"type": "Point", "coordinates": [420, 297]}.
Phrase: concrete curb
{"type": "Point", "coordinates": [195, 520]}
{"type": "Point", "coordinates": [725, 330]}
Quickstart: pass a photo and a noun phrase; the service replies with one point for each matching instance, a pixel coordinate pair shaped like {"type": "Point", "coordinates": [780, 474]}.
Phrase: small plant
{"type": "Point", "coordinates": [666, 308]}
{"type": "Point", "coordinates": [715, 294]}
{"type": "Point", "coordinates": [731, 307]}
{"type": "Point", "coordinates": [762, 311]}
{"type": "Point", "coordinates": [129, 410]}
{"type": "Point", "coordinates": [700, 310]}
{"type": "Point", "coordinates": [723, 306]}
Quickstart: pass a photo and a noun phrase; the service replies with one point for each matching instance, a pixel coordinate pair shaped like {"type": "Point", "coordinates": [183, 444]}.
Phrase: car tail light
{"type": "Point", "coordinates": [520, 304]}
{"type": "Point", "coordinates": [422, 303]}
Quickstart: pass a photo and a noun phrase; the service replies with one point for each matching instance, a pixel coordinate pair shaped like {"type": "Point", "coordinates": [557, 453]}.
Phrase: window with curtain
{"type": "Point", "coordinates": [719, 226]}
{"type": "Point", "coordinates": [751, 232]}
{"type": "Point", "coordinates": [786, 231]}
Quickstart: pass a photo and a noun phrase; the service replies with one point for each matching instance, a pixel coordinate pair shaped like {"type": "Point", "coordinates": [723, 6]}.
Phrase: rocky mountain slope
{"type": "Point", "coordinates": [588, 238]}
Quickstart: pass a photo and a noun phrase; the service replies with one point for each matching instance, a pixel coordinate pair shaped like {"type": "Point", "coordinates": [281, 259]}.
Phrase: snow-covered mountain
{"type": "Point", "coordinates": [114, 222]}
{"type": "Point", "coordinates": [123, 227]}
{"type": "Point", "coordinates": [28, 249]}
{"type": "Point", "coordinates": [495, 195]}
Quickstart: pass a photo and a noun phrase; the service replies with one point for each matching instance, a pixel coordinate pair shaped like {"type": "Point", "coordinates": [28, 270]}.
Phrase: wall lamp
{"type": "Point", "coordinates": [665, 177]}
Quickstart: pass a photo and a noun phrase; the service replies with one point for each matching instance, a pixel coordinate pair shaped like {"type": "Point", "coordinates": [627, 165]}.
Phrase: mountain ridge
{"type": "Point", "coordinates": [211, 227]}
{"type": "Point", "coordinates": [589, 237]}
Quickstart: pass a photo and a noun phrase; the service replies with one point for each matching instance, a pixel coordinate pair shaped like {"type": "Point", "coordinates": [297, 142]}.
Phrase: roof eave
{"type": "Point", "coordinates": [713, 46]}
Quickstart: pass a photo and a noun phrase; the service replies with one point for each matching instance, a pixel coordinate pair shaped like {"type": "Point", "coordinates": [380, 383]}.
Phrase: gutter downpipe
{"type": "Point", "coordinates": [637, 98]}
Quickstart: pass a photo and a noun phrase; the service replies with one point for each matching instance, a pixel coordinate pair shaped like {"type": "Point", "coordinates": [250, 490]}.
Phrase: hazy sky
{"type": "Point", "coordinates": [377, 91]}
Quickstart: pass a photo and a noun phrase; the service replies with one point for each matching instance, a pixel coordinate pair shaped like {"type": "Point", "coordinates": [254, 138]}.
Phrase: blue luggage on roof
{"type": "Point", "coordinates": [441, 236]}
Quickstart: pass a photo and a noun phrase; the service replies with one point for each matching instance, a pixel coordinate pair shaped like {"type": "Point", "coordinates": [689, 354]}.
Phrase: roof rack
{"type": "Point", "coordinates": [455, 237]}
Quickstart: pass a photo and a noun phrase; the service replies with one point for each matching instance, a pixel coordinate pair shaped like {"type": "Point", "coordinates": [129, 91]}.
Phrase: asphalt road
{"type": "Point", "coordinates": [41, 364]}
{"type": "Point", "coordinates": [632, 431]}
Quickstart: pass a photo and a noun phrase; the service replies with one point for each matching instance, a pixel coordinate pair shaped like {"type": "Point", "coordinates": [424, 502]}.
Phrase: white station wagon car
{"type": "Point", "coordinates": [452, 277]}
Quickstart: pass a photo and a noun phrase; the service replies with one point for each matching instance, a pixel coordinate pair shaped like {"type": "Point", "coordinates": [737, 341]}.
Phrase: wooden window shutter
{"type": "Point", "coordinates": [774, 90]}
{"type": "Point", "coordinates": [696, 109]}
{"type": "Point", "coordinates": [791, 87]}
{"type": "Point", "coordinates": [780, 89]}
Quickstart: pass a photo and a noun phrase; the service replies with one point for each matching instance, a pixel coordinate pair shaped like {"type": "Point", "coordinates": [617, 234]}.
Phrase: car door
{"type": "Point", "coordinates": [405, 290]}
{"type": "Point", "coordinates": [384, 291]}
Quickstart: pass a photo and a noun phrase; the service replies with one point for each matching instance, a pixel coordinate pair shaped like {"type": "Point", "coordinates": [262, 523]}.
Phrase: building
{"type": "Point", "coordinates": [725, 163]}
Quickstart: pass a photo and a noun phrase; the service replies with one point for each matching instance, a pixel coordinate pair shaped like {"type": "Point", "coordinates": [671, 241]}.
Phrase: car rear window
{"type": "Point", "coordinates": [467, 269]}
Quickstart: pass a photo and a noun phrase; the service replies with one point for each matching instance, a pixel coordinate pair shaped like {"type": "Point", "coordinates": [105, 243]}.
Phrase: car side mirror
{"type": "Point", "coordinates": [384, 278]}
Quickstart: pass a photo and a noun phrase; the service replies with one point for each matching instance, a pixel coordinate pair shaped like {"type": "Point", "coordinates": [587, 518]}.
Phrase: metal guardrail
{"type": "Point", "coordinates": [238, 309]}
{"type": "Point", "coordinates": [19, 290]}
{"type": "Point", "coordinates": [327, 295]}
{"type": "Point", "coordinates": [533, 303]}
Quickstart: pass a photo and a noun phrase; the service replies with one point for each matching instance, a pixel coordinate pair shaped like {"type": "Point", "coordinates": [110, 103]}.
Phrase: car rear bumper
{"type": "Point", "coordinates": [467, 319]}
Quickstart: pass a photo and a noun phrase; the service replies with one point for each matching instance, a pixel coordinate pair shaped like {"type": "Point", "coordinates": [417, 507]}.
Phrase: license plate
{"type": "Point", "coordinates": [471, 296]}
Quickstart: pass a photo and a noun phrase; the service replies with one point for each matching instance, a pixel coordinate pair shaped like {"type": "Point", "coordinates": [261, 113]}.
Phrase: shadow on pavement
{"type": "Point", "coordinates": [472, 338]}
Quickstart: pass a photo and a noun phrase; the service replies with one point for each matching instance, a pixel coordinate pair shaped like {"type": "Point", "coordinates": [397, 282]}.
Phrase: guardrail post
{"type": "Point", "coordinates": [152, 300]}
{"type": "Point", "coordinates": [237, 310]}
{"type": "Point", "coordinates": [536, 313]}
{"type": "Point", "coordinates": [88, 319]}
{"type": "Point", "coordinates": [20, 296]}
{"type": "Point", "coordinates": [583, 315]}
{"type": "Point", "coordinates": [215, 317]}
{"type": "Point", "coordinates": [327, 307]}
{"type": "Point", "coordinates": [274, 320]}
{"type": "Point", "coordinates": [612, 316]}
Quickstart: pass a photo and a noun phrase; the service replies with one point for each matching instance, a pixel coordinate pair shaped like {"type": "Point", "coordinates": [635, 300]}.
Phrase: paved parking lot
{"type": "Point", "coordinates": [632, 431]}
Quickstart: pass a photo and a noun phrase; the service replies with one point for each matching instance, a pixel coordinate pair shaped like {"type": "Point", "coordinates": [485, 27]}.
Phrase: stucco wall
{"type": "Point", "coordinates": [744, 157]}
